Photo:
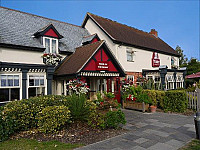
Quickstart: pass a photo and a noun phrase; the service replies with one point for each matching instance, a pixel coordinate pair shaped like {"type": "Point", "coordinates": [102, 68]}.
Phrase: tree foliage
{"type": "Point", "coordinates": [183, 59]}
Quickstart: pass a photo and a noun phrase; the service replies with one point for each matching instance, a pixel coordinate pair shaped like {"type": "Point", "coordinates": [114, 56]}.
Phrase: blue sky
{"type": "Point", "coordinates": [177, 22]}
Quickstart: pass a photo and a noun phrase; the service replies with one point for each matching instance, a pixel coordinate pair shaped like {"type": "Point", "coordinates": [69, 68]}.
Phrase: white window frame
{"type": "Point", "coordinates": [130, 77]}
{"type": "Point", "coordinates": [169, 82]}
{"type": "Point", "coordinates": [50, 39]}
{"type": "Point", "coordinates": [11, 87]}
{"type": "Point", "coordinates": [34, 79]}
{"type": "Point", "coordinates": [131, 52]}
{"type": "Point", "coordinates": [13, 81]}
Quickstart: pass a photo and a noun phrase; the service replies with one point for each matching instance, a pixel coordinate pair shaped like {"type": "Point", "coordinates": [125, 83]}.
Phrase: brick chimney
{"type": "Point", "coordinates": [154, 32]}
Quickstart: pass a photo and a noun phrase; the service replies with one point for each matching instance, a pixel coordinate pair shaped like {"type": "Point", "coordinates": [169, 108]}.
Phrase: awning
{"type": "Point", "coordinates": [194, 75]}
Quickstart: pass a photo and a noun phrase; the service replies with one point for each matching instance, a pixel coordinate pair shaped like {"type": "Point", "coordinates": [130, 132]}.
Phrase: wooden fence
{"type": "Point", "coordinates": [194, 99]}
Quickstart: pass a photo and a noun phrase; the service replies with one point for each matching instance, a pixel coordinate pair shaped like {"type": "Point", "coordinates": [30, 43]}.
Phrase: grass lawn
{"type": "Point", "coordinates": [193, 145]}
{"type": "Point", "coordinates": [27, 144]}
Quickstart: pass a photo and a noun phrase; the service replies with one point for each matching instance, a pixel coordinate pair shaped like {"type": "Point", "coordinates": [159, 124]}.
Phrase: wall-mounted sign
{"type": "Point", "coordinates": [155, 60]}
{"type": "Point", "coordinates": [102, 65]}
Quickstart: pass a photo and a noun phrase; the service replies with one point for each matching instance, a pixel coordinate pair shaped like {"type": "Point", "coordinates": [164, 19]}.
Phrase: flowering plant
{"type": "Point", "coordinates": [51, 58]}
{"type": "Point", "coordinates": [77, 86]}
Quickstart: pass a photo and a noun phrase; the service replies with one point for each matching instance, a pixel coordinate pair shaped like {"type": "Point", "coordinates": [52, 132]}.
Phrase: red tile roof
{"type": "Point", "coordinates": [124, 34]}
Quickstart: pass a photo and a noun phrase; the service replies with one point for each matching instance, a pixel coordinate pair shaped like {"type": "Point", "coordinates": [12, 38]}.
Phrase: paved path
{"type": "Point", "coordinates": [159, 131]}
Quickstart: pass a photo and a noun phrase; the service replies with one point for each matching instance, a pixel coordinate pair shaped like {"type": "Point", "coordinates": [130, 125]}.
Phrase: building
{"type": "Point", "coordinates": [140, 53]}
{"type": "Point", "coordinates": [38, 55]}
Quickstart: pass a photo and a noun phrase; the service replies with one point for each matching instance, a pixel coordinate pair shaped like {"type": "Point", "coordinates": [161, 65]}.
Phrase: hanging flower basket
{"type": "Point", "coordinates": [51, 59]}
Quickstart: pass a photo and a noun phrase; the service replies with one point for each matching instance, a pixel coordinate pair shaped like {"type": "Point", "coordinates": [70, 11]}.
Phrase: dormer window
{"type": "Point", "coordinates": [51, 45]}
{"type": "Point", "coordinates": [50, 37]}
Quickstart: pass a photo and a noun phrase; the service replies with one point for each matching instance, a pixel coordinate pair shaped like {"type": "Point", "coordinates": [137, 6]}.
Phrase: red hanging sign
{"type": "Point", "coordinates": [102, 65]}
{"type": "Point", "coordinates": [155, 60]}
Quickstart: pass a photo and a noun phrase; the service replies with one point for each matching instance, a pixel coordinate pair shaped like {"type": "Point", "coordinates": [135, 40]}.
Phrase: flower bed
{"type": "Point", "coordinates": [135, 98]}
{"type": "Point", "coordinates": [135, 105]}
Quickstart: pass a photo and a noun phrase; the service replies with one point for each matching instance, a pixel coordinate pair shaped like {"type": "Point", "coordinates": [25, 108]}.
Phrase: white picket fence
{"type": "Point", "coordinates": [194, 100]}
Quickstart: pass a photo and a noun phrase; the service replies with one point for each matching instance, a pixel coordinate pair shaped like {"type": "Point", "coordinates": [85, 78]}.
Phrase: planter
{"type": "Point", "coordinates": [137, 106]}
{"type": "Point", "coordinates": [153, 108]}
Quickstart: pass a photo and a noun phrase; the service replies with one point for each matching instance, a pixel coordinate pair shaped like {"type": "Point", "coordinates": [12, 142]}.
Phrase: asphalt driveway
{"type": "Point", "coordinates": [159, 131]}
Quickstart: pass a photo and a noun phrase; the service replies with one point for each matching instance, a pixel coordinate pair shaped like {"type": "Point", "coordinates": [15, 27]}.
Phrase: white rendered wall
{"type": "Point", "coordinates": [20, 56]}
{"type": "Point", "coordinates": [93, 28]}
{"type": "Point", "coordinates": [142, 58]}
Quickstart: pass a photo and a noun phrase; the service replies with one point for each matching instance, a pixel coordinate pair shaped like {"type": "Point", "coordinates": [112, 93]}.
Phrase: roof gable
{"type": "Point", "coordinates": [50, 31]}
{"type": "Point", "coordinates": [123, 34]}
{"type": "Point", "coordinates": [85, 59]}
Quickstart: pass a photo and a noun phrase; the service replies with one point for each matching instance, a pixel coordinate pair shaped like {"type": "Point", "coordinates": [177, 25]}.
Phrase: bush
{"type": "Point", "coordinates": [156, 96]}
{"type": "Point", "coordinates": [79, 107]}
{"type": "Point", "coordinates": [6, 127]}
{"type": "Point", "coordinates": [23, 112]}
{"type": "Point", "coordinates": [160, 95]}
{"type": "Point", "coordinates": [53, 118]}
{"type": "Point", "coordinates": [114, 118]}
{"type": "Point", "coordinates": [175, 101]}
{"type": "Point", "coordinates": [97, 120]}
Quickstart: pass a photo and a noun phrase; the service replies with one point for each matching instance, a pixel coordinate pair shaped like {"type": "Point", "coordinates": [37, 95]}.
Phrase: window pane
{"type": "Point", "coordinates": [41, 80]}
{"type": "Point", "coordinates": [4, 95]}
{"type": "Point", "coordinates": [37, 79]}
{"type": "Point", "coordinates": [47, 45]}
{"type": "Point", "coordinates": [129, 56]}
{"type": "Point", "coordinates": [54, 46]}
{"type": "Point", "coordinates": [3, 80]}
{"type": "Point", "coordinates": [14, 94]}
{"type": "Point", "coordinates": [31, 92]}
{"type": "Point", "coordinates": [16, 80]}
{"type": "Point", "coordinates": [31, 80]}
{"type": "Point", "coordinates": [10, 80]}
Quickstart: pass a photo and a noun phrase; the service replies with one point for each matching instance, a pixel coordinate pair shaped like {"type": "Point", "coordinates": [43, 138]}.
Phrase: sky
{"type": "Point", "coordinates": [177, 21]}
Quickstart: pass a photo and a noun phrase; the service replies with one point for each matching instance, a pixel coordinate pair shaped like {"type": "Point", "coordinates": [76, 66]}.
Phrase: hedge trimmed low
{"type": "Point", "coordinates": [175, 101]}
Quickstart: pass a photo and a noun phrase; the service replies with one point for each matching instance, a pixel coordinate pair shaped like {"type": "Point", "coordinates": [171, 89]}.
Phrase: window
{"type": "Point", "coordinates": [9, 81]}
{"type": "Point", "coordinates": [9, 88]}
{"type": "Point", "coordinates": [36, 85]}
{"type": "Point", "coordinates": [157, 82]}
{"type": "Point", "coordinates": [170, 82]}
{"type": "Point", "coordinates": [130, 54]}
{"type": "Point", "coordinates": [130, 78]}
{"type": "Point", "coordinates": [36, 80]}
{"type": "Point", "coordinates": [50, 44]}
{"type": "Point", "coordinates": [179, 82]}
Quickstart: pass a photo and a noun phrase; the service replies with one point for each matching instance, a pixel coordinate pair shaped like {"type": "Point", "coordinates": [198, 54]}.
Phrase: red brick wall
{"type": "Point", "coordinates": [135, 74]}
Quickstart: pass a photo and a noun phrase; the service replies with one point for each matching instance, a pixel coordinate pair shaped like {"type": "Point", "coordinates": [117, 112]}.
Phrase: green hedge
{"type": "Point", "coordinates": [157, 97]}
{"type": "Point", "coordinates": [175, 101]}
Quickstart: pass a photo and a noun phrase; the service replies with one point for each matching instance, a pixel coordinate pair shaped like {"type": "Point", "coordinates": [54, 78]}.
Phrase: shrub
{"type": "Point", "coordinates": [79, 107]}
{"type": "Point", "coordinates": [53, 118]}
{"type": "Point", "coordinates": [6, 127]}
{"type": "Point", "coordinates": [114, 118]}
{"type": "Point", "coordinates": [152, 95]}
{"type": "Point", "coordinates": [160, 95]}
{"type": "Point", "coordinates": [23, 112]}
{"type": "Point", "coordinates": [175, 101]}
{"type": "Point", "coordinates": [97, 120]}
{"type": "Point", "coordinates": [143, 97]}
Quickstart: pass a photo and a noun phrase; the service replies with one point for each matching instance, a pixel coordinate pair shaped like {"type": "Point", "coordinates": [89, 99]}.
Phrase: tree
{"type": "Point", "coordinates": [183, 59]}
{"type": "Point", "coordinates": [193, 66]}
